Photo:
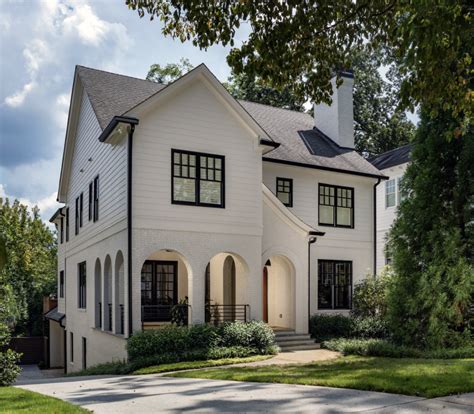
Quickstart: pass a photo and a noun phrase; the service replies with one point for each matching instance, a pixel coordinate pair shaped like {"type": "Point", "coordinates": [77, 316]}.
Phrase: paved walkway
{"type": "Point", "coordinates": [153, 394]}
{"type": "Point", "coordinates": [31, 373]}
{"type": "Point", "coordinates": [296, 357]}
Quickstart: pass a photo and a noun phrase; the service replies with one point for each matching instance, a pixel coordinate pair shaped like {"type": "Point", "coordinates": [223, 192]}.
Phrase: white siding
{"type": "Point", "coordinates": [386, 215]}
{"type": "Point", "coordinates": [107, 161]}
{"type": "Point", "coordinates": [354, 244]}
{"type": "Point", "coordinates": [196, 120]}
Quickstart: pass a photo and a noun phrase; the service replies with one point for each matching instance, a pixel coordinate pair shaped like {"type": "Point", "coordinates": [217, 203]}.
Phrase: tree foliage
{"type": "Point", "coordinates": [248, 88]}
{"type": "Point", "coordinates": [30, 268]}
{"type": "Point", "coordinates": [432, 240]}
{"type": "Point", "coordinates": [379, 125]}
{"type": "Point", "coordinates": [170, 72]}
{"type": "Point", "coordinates": [300, 44]}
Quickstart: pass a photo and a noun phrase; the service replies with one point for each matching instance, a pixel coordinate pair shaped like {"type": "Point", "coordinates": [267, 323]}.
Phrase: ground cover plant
{"type": "Point", "coordinates": [421, 377]}
{"type": "Point", "coordinates": [17, 400]}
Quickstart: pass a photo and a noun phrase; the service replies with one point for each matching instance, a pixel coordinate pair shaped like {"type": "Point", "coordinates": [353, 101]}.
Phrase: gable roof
{"type": "Point", "coordinates": [300, 143]}
{"type": "Point", "coordinates": [392, 158]}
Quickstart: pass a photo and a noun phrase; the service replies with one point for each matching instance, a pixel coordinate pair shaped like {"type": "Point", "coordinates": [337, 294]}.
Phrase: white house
{"type": "Point", "coordinates": [181, 191]}
{"type": "Point", "coordinates": [392, 164]}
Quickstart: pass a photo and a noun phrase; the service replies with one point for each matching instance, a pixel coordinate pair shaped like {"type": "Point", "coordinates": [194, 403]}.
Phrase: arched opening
{"type": "Point", "coordinates": [279, 293]}
{"type": "Point", "coordinates": [226, 289]}
{"type": "Point", "coordinates": [164, 289]}
{"type": "Point", "coordinates": [108, 299]}
{"type": "Point", "coordinates": [98, 294]}
{"type": "Point", "coordinates": [119, 299]}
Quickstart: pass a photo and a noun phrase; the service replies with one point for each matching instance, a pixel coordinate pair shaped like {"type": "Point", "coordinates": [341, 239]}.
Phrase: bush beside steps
{"type": "Point", "coordinates": [174, 344]}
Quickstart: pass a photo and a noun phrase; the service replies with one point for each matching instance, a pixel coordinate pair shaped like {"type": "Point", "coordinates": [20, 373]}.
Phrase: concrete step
{"type": "Point", "coordinates": [293, 338]}
{"type": "Point", "coordinates": [299, 347]}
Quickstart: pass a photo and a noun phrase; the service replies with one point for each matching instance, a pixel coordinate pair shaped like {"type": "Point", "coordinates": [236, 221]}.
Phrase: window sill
{"type": "Point", "coordinates": [82, 310]}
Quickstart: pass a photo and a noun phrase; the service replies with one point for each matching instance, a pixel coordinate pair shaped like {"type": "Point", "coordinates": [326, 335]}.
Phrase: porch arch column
{"type": "Point", "coordinates": [197, 290]}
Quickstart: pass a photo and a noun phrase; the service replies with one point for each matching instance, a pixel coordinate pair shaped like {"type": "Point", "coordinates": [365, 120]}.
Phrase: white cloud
{"type": "Point", "coordinates": [17, 98]}
{"type": "Point", "coordinates": [90, 29]}
{"type": "Point", "coordinates": [61, 110]}
{"type": "Point", "coordinates": [35, 54]}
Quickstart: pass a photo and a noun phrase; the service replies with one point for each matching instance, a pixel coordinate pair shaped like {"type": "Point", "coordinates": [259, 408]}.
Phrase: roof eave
{"type": "Point", "coordinates": [321, 167]}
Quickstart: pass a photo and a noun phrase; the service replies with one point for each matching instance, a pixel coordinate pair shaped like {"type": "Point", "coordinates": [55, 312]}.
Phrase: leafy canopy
{"type": "Point", "coordinates": [300, 44]}
{"type": "Point", "coordinates": [168, 73]}
{"type": "Point", "coordinates": [29, 271]}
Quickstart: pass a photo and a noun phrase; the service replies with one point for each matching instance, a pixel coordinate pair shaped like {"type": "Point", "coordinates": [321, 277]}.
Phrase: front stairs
{"type": "Point", "coordinates": [289, 341]}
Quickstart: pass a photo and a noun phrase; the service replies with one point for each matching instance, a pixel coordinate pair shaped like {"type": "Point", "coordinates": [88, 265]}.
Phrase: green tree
{"type": "Point", "coordinates": [432, 240]}
{"type": "Point", "coordinates": [300, 44]}
{"type": "Point", "coordinates": [30, 268]}
{"type": "Point", "coordinates": [170, 72]}
{"type": "Point", "coordinates": [242, 86]}
{"type": "Point", "coordinates": [379, 125]}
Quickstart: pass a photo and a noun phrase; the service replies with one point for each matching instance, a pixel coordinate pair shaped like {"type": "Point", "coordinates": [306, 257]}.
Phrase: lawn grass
{"type": "Point", "coordinates": [421, 377]}
{"type": "Point", "coordinates": [17, 400]}
{"type": "Point", "coordinates": [179, 366]}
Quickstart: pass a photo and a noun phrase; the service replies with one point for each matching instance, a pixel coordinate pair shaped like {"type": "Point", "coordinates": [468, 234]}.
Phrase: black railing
{"type": "Point", "coordinates": [219, 314]}
{"type": "Point", "coordinates": [165, 313]}
{"type": "Point", "coordinates": [100, 315]}
{"type": "Point", "coordinates": [109, 327]}
{"type": "Point", "coordinates": [122, 325]}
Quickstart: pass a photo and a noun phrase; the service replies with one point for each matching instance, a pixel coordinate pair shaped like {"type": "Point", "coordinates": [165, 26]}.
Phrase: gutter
{"type": "Point", "coordinates": [129, 224]}
{"type": "Point", "coordinates": [375, 226]}
{"type": "Point", "coordinates": [319, 167]}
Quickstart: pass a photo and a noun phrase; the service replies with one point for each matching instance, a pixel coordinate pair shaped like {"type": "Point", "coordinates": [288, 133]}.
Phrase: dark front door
{"type": "Point", "coordinates": [159, 288]}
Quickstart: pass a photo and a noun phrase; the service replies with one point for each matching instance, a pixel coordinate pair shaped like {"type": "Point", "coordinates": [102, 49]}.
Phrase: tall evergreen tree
{"type": "Point", "coordinates": [432, 240]}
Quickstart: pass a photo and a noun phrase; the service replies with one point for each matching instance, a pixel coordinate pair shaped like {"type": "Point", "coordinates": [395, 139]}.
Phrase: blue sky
{"type": "Point", "coordinates": [40, 43]}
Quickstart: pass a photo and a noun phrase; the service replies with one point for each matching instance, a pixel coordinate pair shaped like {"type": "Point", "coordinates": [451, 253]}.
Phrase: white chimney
{"type": "Point", "coordinates": [337, 120]}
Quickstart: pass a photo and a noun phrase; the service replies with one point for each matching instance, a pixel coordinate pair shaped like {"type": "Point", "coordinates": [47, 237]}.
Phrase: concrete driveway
{"type": "Point", "coordinates": [152, 393]}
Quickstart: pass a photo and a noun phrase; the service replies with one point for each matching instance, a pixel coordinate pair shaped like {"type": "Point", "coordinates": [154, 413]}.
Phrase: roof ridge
{"type": "Point", "coordinates": [119, 74]}
{"type": "Point", "coordinates": [274, 107]}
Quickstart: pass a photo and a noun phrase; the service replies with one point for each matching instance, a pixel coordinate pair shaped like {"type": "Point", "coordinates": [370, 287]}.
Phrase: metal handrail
{"type": "Point", "coordinates": [162, 313]}
{"type": "Point", "coordinates": [109, 328]}
{"type": "Point", "coordinates": [122, 321]}
{"type": "Point", "coordinates": [219, 314]}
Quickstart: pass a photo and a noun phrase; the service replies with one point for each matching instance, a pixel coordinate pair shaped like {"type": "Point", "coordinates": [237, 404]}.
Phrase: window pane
{"type": "Point", "coordinates": [390, 200]}
{"type": "Point", "coordinates": [284, 198]}
{"type": "Point", "coordinates": [326, 214]}
{"type": "Point", "coordinates": [184, 189]}
{"type": "Point", "coordinates": [344, 216]}
{"type": "Point", "coordinates": [390, 193]}
{"type": "Point", "coordinates": [210, 192]}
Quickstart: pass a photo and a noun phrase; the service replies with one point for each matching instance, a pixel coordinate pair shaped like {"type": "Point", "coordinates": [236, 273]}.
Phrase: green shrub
{"type": "Point", "coordinates": [326, 326]}
{"type": "Point", "coordinates": [200, 339]}
{"type": "Point", "coordinates": [383, 348]}
{"type": "Point", "coordinates": [370, 296]}
{"type": "Point", "coordinates": [369, 327]}
{"type": "Point", "coordinates": [253, 334]}
{"type": "Point", "coordinates": [9, 368]}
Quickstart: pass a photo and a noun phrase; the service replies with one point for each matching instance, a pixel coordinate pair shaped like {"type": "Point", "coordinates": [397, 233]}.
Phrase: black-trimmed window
{"type": "Point", "coordinates": [82, 285]}
{"type": "Point", "coordinates": [67, 224]}
{"type": "Point", "coordinates": [284, 191]}
{"type": "Point", "coordinates": [197, 179]}
{"type": "Point", "coordinates": [61, 230]}
{"type": "Point", "coordinates": [61, 284]}
{"type": "Point", "coordinates": [96, 199]}
{"type": "Point", "coordinates": [76, 217]}
{"type": "Point", "coordinates": [90, 200]}
{"type": "Point", "coordinates": [81, 208]}
{"type": "Point", "coordinates": [336, 206]}
{"type": "Point", "coordinates": [71, 346]}
{"type": "Point", "coordinates": [334, 284]}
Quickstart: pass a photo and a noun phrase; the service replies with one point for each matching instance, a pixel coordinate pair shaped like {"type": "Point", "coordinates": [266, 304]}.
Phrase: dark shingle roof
{"type": "Point", "coordinates": [302, 143]}
{"type": "Point", "coordinates": [113, 95]}
{"type": "Point", "coordinates": [391, 158]}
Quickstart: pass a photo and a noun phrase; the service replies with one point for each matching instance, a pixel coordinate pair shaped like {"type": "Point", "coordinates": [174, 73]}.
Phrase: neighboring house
{"type": "Point", "coordinates": [180, 191]}
{"type": "Point", "coordinates": [392, 164]}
